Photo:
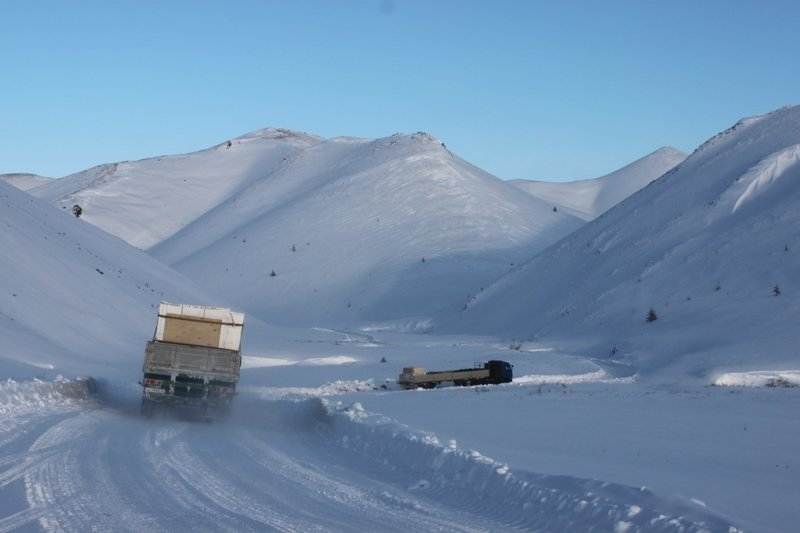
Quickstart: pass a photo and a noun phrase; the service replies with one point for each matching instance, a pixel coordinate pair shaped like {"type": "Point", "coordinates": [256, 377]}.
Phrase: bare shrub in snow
{"type": "Point", "coordinates": [651, 316]}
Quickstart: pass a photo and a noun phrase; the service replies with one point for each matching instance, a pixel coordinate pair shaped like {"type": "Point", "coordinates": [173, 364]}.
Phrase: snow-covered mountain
{"type": "Point", "coordinates": [70, 292]}
{"type": "Point", "coordinates": [353, 229]}
{"type": "Point", "coordinates": [144, 202]}
{"type": "Point", "coordinates": [590, 198]}
{"type": "Point", "coordinates": [24, 180]}
{"type": "Point", "coordinates": [711, 247]}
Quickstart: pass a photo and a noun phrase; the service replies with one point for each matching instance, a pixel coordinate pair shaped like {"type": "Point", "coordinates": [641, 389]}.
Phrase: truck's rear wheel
{"type": "Point", "coordinates": [148, 408]}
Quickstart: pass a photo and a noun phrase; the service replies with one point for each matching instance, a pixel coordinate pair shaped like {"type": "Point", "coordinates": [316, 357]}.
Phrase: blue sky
{"type": "Point", "coordinates": [544, 90]}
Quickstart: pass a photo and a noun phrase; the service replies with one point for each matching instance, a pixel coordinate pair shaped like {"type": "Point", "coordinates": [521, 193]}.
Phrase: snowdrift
{"type": "Point", "coordinates": [711, 247]}
{"type": "Point", "coordinates": [303, 230]}
{"type": "Point", "coordinates": [466, 479]}
{"type": "Point", "coordinates": [588, 199]}
{"type": "Point", "coordinates": [22, 397]}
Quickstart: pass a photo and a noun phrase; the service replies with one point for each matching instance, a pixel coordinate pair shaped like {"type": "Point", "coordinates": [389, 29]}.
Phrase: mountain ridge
{"type": "Point", "coordinates": [589, 198]}
{"type": "Point", "coordinates": [376, 210]}
{"type": "Point", "coordinates": [679, 246]}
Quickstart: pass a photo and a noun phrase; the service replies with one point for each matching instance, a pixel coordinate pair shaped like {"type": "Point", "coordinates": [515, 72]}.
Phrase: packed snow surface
{"type": "Point", "coordinates": [590, 198]}
{"type": "Point", "coordinates": [325, 447]}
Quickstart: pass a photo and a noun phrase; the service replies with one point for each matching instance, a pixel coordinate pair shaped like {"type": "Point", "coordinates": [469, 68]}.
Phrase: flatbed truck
{"type": "Point", "coordinates": [490, 373]}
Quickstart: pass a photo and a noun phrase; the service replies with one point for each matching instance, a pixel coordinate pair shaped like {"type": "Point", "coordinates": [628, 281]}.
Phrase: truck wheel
{"type": "Point", "coordinates": [148, 408]}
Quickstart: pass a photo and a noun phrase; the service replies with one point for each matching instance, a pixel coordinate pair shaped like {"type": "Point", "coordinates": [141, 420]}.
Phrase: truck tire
{"type": "Point", "coordinates": [148, 408]}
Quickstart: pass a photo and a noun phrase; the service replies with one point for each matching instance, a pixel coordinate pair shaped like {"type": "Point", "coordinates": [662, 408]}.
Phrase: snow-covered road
{"type": "Point", "coordinates": [102, 470]}
{"type": "Point", "coordinates": [306, 465]}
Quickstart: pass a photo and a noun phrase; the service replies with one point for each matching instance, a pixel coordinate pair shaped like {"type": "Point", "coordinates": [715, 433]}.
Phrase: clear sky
{"type": "Point", "coordinates": [544, 90]}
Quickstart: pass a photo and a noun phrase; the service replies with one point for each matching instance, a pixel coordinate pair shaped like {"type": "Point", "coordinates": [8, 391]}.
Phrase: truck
{"type": "Point", "coordinates": [489, 373]}
{"type": "Point", "coordinates": [193, 360]}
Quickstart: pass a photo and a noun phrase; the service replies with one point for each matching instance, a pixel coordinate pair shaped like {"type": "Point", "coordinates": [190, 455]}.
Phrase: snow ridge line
{"type": "Point", "coordinates": [468, 480]}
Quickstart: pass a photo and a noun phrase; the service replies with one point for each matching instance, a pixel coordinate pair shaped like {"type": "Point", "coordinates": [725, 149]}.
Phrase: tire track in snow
{"type": "Point", "coordinates": [58, 486]}
{"type": "Point", "coordinates": [21, 518]}
{"type": "Point", "coordinates": [296, 467]}
{"type": "Point", "coordinates": [17, 434]}
{"type": "Point", "coordinates": [222, 491]}
{"type": "Point", "coordinates": [369, 503]}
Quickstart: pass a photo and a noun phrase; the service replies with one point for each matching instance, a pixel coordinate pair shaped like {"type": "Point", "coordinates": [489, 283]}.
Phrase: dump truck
{"type": "Point", "coordinates": [193, 360]}
{"type": "Point", "coordinates": [489, 373]}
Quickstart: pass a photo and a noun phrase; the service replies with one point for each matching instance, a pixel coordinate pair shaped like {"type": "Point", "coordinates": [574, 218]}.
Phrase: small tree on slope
{"type": "Point", "coordinates": [651, 315]}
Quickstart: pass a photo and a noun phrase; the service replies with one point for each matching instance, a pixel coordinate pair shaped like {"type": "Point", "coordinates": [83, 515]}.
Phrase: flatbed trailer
{"type": "Point", "coordinates": [193, 361]}
{"type": "Point", "coordinates": [490, 373]}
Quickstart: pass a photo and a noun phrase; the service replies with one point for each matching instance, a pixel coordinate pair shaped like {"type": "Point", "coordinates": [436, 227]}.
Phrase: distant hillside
{"type": "Point", "coordinates": [711, 247]}
{"type": "Point", "coordinates": [590, 198]}
{"type": "Point", "coordinates": [24, 181]}
{"type": "Point", "coordinates": [70, 294]}
{"type": "Point", "coordinates": [353, 229]}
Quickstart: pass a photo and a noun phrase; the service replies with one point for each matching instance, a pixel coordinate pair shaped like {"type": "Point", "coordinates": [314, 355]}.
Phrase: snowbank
{"type": "Point", "coordinates": [469, 480]}
{"type": "Point", "coordinates": [255, 361]}
{"type": "Point", "coordinates": [762, 378]}
{"type": "Point", "coordinates": [334, 388]}
{"type": "Point", "coordinates": [23, 396]}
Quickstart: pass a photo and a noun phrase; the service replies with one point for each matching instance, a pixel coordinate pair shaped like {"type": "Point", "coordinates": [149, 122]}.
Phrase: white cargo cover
{"type": "Point", "coordinates": [201, 325]}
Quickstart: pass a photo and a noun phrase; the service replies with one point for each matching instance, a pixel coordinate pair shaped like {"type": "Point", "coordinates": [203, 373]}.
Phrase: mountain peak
{"type": "Point", "coordinates": [24, 180]}
{"type": "Point", "coordinates": [669, 151]}
{"type": "Point", "coordinates": [280, 134]}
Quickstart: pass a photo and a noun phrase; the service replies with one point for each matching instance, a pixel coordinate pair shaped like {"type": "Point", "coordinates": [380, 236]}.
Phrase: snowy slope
{"type": "Point", "coordinates": [704, 246]}
{"type": "Point", "coordinates": [144, 202]}
{"type": "Point", "coordinates": [344, 223]}
{"type": "Point", "coordinates": [72, 295]}
{"type": "Point", "coordinates": [590, 198]}
{"type": "Point", "coordinates": [24, 181]}
{"type": "Point", "coordinates": [364, 230]}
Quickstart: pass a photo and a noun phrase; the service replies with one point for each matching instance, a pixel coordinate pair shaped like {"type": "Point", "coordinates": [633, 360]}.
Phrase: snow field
{"type": "Point", "coordinates": [763, 378]}
{"type": "Point", "coordinates": [468, 479]}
